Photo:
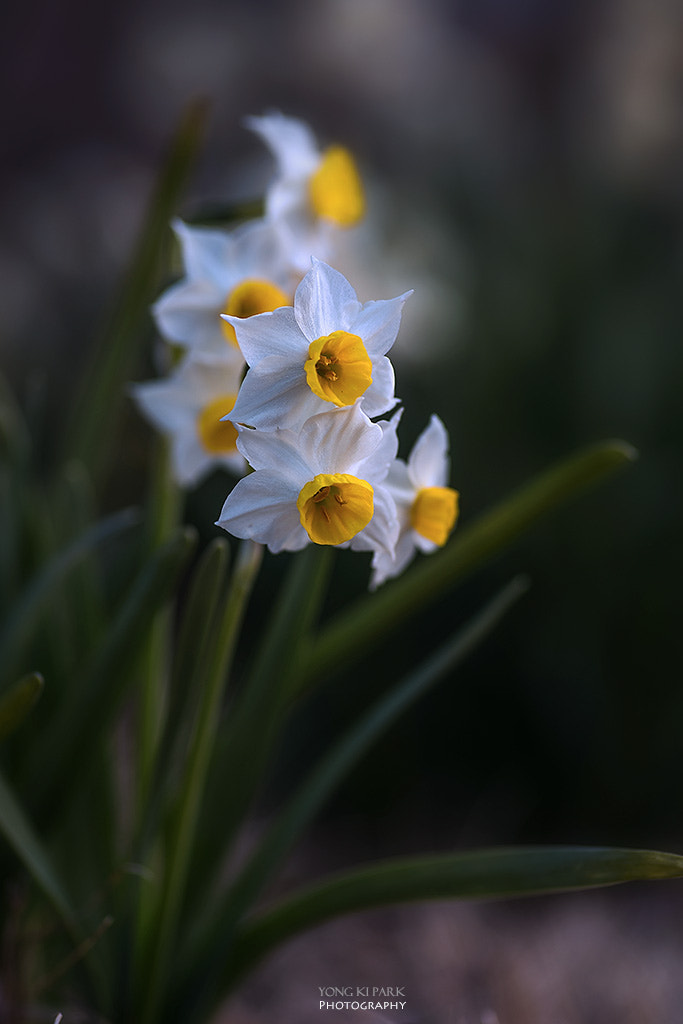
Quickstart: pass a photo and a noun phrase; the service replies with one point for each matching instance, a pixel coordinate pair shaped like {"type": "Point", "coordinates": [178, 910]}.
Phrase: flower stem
{"type": "Point", "coordinates": [182, 825]}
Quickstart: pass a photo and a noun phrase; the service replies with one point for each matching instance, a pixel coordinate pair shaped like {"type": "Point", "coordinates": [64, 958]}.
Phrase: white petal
{"type": "Point", "coordinates": [385, 568]}
{"type": "Point", "coordinates": [208, 377]}
{"type": "Point", "coordinates": [401, 488]}
{"type": "Point", "coordinates": [427, 547]}
{"type": "Point", "coordinates": [379, 397]}
{"type": "Point", "coordinates": [188, 313]}
{"type": "Point", "coordinates": [291, 141]}
{"type": "Point", "coordinates": [339, 440]}
{"type": "Point", "coordinates": [262, 507]}
{"type": "Point", "coordinates": [277, 451]}
{"type": "Point", "coordinates": [190, 460]}
{"type": "Point", "coordinates": [165, 403]}
{"type": "Point", "coordinates": [428, 463]}
{"type": "Point", "coordinates": [375, 467]}
{"type": "Point", "coordinates": [381, 533]}
{"type": "Point", "coordinates": [270, 334]}
{"type": "Point", "coordinates": [208, 254]}
{"type": "Point", "coordinates": [377, 324]}
{"type": "Point", "coordinates": [275, 394]}
{"type": "Point", "coordinates": [303, 235]}
{"type": "Point", "coordinates": [324, 302]}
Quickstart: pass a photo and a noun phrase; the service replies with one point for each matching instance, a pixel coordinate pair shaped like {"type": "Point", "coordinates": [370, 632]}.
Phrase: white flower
{"type": "Point", "coordinates": [327, 350]}
{"type": "Point", "coordinates": [427, 509]}
{"type": "Point", "coordinates": [322, 484]}
{"type": "Point", "coordinates": [242, 272]}
{"type": "Point", "coordinates": [190, 407]}
{"type": "Point", "coordinates": [313, 192]}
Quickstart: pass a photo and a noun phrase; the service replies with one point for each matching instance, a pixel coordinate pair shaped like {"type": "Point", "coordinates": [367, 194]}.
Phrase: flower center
{"type": "Point", "coordinates": [434, 512]}
{"type": "Point", "coordinates": [335, 507]}
{"type": "Point", "coordinates": [218, 436]}
{"type": "Point", "coordinates": [335, 188]}
{"type": "Point", "coordinates": [250, 297]}
{"type": "Point", "coordinates": [338, 368]}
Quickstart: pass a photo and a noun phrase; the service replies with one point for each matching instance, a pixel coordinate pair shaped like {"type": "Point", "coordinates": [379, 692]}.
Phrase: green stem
{"type": "Point", "coordinates": [164, 516]}
{"type": "Point", "coordinates": [181, 834]}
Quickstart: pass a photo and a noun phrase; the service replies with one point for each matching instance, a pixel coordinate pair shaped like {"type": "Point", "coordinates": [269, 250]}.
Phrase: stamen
{"type": "Point", "coordinates": [338, 368]}
{"type": "Point", "coordinates": [328, 521]}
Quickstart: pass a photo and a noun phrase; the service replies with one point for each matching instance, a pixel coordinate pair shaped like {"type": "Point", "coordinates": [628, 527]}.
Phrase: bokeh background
{"type": "Point", "coordinates": [525, 167]}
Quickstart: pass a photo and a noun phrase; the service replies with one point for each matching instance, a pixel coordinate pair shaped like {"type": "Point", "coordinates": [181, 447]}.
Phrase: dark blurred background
{"type": "Point", "coordinates": [524, 161]}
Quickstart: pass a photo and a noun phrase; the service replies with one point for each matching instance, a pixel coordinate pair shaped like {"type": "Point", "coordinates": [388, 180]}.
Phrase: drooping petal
{"type": "Point", "coordinates": [262, 507]}
{"type": "Point", "coordinates": [324, 302]}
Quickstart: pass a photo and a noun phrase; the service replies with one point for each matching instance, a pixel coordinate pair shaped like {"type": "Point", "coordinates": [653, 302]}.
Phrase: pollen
{"type": "Point", "coordinates": [251, 296]}
{"type": "Point", "coordinates": [333, 508]}
{"type": "Point", "coordinates": [338, 368]}
{"type": "Point", "coordinates": [335, 188]}
{"type": "Point", "coordinates": [217, 436]}
{"type": "Point", "coordinates": [434, 512]}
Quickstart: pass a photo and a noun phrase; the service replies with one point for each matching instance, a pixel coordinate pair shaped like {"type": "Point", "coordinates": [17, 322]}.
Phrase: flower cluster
{"type": "Point", "coordinates": [288, 374]}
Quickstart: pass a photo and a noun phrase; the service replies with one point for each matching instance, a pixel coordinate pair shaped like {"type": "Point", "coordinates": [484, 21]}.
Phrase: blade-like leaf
{"type": "Point", "coordinates": [488, 874]}
{"type": "Point", "coordinates": [354, 631]}
{"type": "Point", "coordinates": [20, 835]}
{"type": "Point", "coordinates": [44, 588]}
{"type": "Point", "coordinates": [329, 772]}
{"type": "Point", "coordinates": [78, 730]}
{"type": "Point", "coordinates": [182, 824]}
{"type": "Point", "coordinates": [17, 702]}
{"type": "Point", "coordinates": [246, 743]}
{"type": "Point", "coordinates": [91, 434]}
{"type": "Point", "coordinates": [189, 668]}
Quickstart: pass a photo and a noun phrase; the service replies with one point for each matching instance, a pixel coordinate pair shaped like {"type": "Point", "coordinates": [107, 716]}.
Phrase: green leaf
{"type": "Point", "coordinates": [188, 671]}
{"type": "Point", "coordinates": [369, 620]}
{"type": "Point", "coordinates": [182, 824]}
{"type": "Point", "coordinates": [479, 874]}
{"type": "Point", "coordinates": [14, 434]}
{"type": "Point", "coordinates": [20, 835]}
{"type": "Point", "coordinates": [78, 730]}
{"type": "Point", "coordinates": [247, 742]}
{"type": "Point", "coordinates": [91, 432]}
{"type": "Point", "coordinates": [44, 588]}
{"type": "Point", "coordinates": [329, 772]}
{"type": "Point", "coordinates": [17, 702]}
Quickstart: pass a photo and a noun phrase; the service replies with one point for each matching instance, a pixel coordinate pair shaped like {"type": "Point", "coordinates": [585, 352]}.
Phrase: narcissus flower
{"type": "Point", "coordinates": [314, 191]}
{"type": "Point", "coordinates": [239, 272]}
{"type": "Point", "coordinates": [326, 351]}
{"type": "Point", "coordinates": [321, 484]}
{"type": "Point", "coordinates": [190, 407]}
{"type": "Point", "coordinates": [427, 509]}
